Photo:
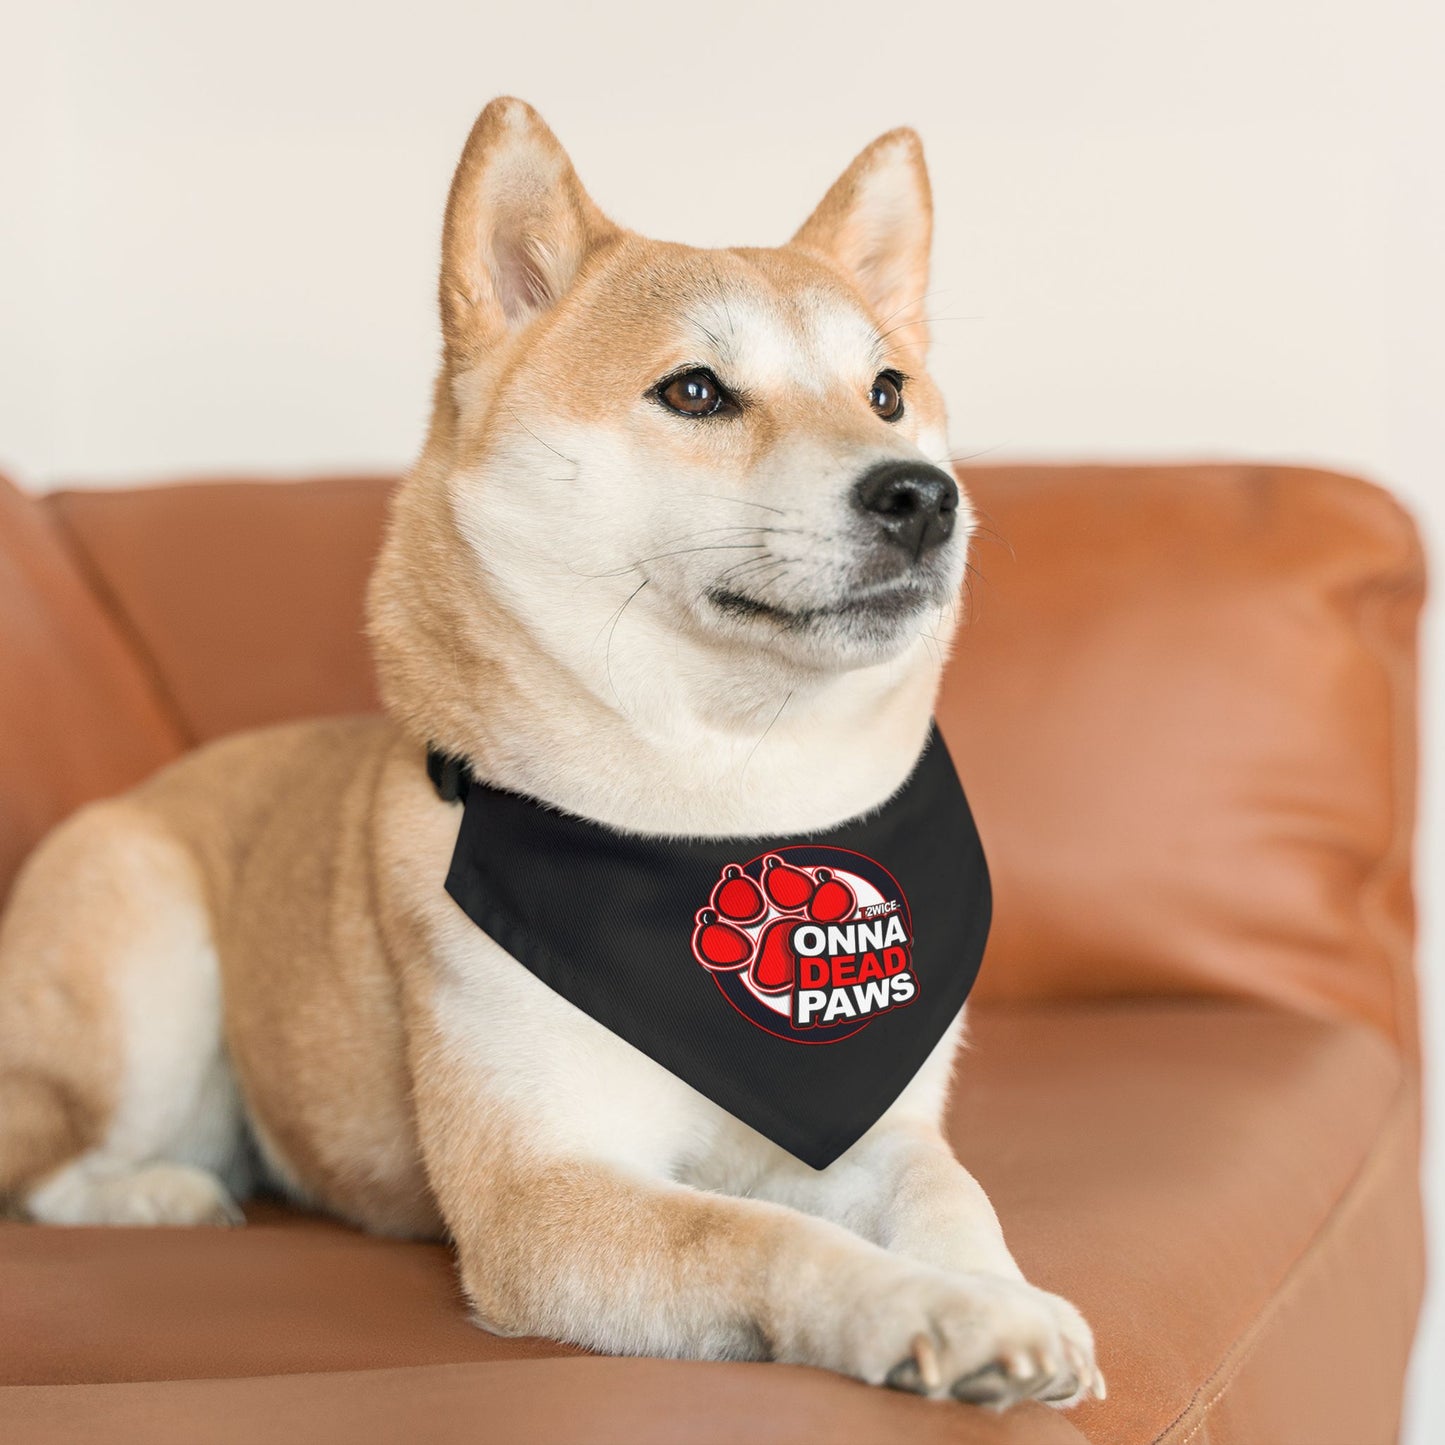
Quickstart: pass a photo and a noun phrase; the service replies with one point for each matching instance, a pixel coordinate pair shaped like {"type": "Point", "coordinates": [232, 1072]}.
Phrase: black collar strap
{"type": "Point", "coordinates": [799, 982]}
{"type": "Point", "coordinates": [450, 776]}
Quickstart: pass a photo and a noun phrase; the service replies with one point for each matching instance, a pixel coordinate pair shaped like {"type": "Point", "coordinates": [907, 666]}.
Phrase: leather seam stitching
{"type": "Point", "coordinates": [1374, 604]}
{"type": "Point", "coordinates": [124, 623]}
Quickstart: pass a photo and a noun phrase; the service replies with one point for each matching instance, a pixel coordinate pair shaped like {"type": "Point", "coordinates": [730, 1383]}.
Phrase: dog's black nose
{"type": "Point", "coordinates": [915, 504]}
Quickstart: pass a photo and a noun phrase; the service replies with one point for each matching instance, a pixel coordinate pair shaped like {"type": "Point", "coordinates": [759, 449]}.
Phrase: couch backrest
{"type": "Point", "coordinates": [1184, 710]}
{"type": "Point", "coordinates": [1183, 706]}
{"type": "Point", "coordinates": [246, 596]}
{"type": "Point", "coordinates": [79, 716]}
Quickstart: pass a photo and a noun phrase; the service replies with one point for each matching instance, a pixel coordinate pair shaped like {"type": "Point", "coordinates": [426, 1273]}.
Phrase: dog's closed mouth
{"type": "Point", "coordinates": [884, 604]}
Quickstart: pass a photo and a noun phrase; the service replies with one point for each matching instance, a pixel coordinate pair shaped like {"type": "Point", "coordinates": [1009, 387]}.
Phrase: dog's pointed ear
{"type": "Point", "coordinates": [518, 228]}
{"type": "Point", "coordinates": [877, 223]}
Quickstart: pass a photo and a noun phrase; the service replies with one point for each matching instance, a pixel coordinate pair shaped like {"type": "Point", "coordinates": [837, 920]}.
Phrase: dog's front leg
{"type": "Point", "coordinates": [554, 1243]}
{"type": "Point", "coordinates": [901, 1188]}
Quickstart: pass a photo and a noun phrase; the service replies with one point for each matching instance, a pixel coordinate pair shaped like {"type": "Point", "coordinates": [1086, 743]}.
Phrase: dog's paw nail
{"type": "Point", "coordinates": [1020, 1365]}
{"type": "Point", "coordinates": [905, 1376]}
{"type": "Point", "coordinates": [926, 1354]}
{"type": "Point", "coordinates": [988, 1386]}
{"type": "Point", "coordinates": [1099, 1390]}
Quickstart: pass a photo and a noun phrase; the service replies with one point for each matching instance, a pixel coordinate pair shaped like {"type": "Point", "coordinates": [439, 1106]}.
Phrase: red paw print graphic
{"type": "Point", "coordinates": [748, 926]}
{"type": "Point", "coordinates": [809, 942]}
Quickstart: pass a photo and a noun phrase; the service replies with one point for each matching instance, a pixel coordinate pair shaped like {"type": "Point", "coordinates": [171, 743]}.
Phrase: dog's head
{"type": "Point", "coordinates": [740, 449]}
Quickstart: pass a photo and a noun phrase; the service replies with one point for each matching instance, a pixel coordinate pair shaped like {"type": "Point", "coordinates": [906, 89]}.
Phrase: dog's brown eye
{"type": "Point", "coordinates": [886, 398]}
{"type": "Point", "coordinates": [694, 393]}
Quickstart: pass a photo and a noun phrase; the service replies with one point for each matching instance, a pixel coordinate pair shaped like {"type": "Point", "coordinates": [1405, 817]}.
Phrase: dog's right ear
{"type": "Point", "coordinates": [877, 223]}
{"type": "Point", "coordinates": [518, 228]}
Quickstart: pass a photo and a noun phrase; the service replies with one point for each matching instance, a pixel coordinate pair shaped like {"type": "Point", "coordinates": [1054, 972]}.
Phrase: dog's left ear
{"type": "Point", "coordinates": [877, 223]}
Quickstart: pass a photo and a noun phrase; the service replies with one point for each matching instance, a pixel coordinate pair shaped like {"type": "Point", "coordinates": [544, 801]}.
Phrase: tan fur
{"type": "Point", "coordinates": [256, 942]}
{"type": "Point", "coordinates": [59, 1037]}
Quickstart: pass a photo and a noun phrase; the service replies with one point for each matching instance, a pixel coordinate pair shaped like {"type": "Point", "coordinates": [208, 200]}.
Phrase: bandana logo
{"type": "Point", "coordinates": [809, 943]}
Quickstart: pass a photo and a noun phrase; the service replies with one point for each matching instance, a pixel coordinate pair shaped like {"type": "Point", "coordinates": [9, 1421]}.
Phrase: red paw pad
{"type": "Point", "coordinates": [833, 901]}
{"type": "Point", "coordinates": [789, 888]}
{"type": "Point", "coordinates": [737, 898]}
{"type": "Point", "coordinates": [718, 944]}
{"type": "Point", "coordinates": [775, 965]}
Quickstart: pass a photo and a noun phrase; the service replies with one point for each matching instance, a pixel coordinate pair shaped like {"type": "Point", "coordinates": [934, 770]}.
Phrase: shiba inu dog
{"type": "Point", "coordinates": [677, 557]}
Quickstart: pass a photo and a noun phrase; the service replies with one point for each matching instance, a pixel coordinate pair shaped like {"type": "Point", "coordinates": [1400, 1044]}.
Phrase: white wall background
{"type": "Point", "coordinates": [1164, 228]}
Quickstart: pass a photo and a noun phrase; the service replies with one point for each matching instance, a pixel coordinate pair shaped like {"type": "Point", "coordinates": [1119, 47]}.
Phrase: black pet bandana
{"type": "Point", "coordinates": [799, 982]}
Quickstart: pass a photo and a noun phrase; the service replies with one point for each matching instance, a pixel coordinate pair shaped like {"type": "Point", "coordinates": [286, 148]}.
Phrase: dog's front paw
{"type": "Point", "coordinates": [981, 1338]}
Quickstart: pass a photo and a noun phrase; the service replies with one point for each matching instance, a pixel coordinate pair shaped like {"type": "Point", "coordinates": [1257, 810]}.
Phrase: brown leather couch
{"type": "Point", "coordinates": [1185, 711]}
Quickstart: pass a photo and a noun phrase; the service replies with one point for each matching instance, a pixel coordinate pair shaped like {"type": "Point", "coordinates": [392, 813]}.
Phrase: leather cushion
{"type": "Point", "coordinates": [1175, 1169]}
